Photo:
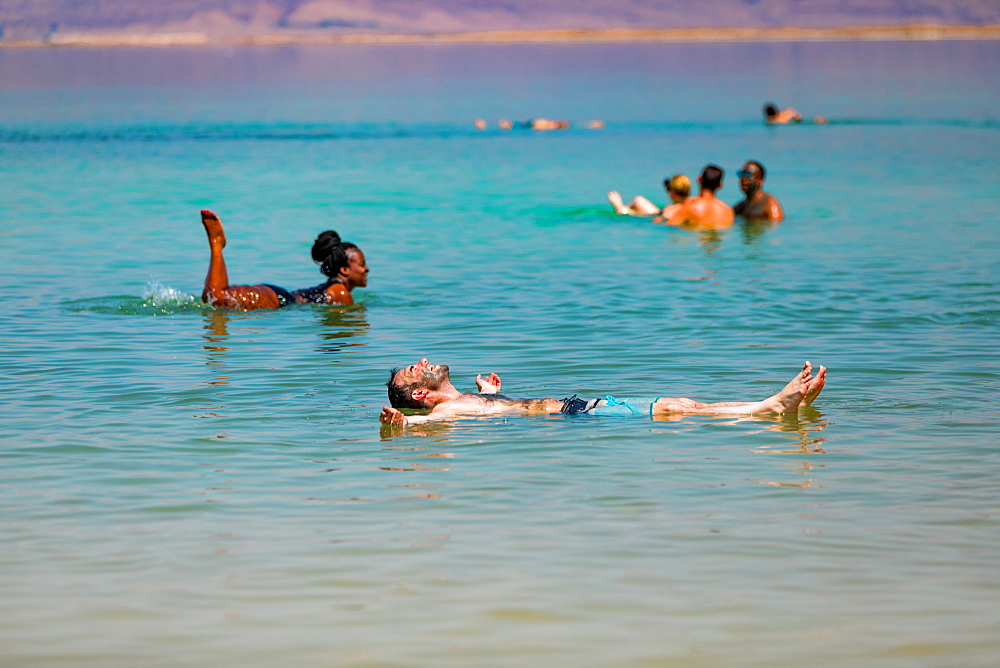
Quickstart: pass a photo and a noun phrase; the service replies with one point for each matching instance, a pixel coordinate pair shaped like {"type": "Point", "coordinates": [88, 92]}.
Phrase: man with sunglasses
{"type": "Point", "coordinates": [757, 206]}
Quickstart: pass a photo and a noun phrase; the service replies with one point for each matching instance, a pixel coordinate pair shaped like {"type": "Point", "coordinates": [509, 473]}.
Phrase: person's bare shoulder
{"type": "Point", "coordinates": [690, 213]}
{"type": "Point", "coordinates": [718, 211]}
{"type": "Point", "coordinates": [774, 210]}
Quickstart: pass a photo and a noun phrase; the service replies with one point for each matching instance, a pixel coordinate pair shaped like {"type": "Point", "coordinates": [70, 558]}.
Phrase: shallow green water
{"type": "Point", "coordinates": [186, 485]}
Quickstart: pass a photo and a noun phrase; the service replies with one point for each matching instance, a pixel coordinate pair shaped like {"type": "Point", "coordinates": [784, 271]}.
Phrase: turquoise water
{"type": "Point", "coordinates": [186, 485]}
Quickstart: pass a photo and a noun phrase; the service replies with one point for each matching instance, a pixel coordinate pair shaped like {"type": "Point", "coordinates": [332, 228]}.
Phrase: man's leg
{"type": "Point", "coordinates": [786, 401]}
{"type": "Point", "coordinates": [814, 387]}
{"type": "Point", "coordinates": [217, 290]}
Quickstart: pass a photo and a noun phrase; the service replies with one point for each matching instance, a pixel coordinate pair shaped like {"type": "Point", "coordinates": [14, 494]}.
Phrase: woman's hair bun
{"type": "Point", "coordinates": [324, 245]}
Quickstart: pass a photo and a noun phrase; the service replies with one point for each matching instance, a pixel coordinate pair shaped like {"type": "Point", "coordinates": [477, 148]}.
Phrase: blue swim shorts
{"type": "Point", "coordinates": [610, 405]}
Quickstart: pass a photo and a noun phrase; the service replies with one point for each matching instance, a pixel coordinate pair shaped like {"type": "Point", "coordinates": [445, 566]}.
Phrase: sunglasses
{"type": "Point", "coordinates": [744, 173]}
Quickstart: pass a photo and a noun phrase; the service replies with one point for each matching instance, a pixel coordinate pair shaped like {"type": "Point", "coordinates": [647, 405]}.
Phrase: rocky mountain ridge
{"type": "Point", "coordinates": [50, 20]}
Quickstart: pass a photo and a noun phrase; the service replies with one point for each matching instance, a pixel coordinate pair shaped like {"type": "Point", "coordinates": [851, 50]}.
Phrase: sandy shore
{"type": "Point", "coordinates": [569, 35]}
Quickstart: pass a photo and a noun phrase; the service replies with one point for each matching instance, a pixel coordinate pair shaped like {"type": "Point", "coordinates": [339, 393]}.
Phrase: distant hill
{"type": "Point", "coordinates": [51, 19]}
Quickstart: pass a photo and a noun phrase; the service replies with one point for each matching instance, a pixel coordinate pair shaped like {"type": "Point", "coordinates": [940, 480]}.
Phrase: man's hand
{"type": "Point", "coordinates": [488, 385]}
{"type": "Point", "coordinates": [392, 416]}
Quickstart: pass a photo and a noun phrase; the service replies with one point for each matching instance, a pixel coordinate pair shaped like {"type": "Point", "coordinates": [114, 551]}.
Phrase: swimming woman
{"type": "Point", "coordinates": [343, 264]}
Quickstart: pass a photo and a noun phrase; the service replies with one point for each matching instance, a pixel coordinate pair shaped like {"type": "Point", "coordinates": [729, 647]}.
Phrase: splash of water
{"type": "Point", "coordinates": [157, 294]}
{"type": "Point", "coordinates": [156, 299]}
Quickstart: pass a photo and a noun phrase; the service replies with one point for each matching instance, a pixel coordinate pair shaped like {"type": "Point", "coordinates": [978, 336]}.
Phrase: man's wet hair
{"type": "Point", "coordinates": [401, 395]}
{"type": "Point", "coordinates": [770, 109]}
{"type": "Point", "coordinates": [711, 177]}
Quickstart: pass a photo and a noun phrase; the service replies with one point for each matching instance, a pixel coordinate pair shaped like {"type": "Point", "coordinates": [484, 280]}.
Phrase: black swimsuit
{"type": "Point", "coordinates": [313, 295]}
{"type": "Point", "coordinates": [284, 296]}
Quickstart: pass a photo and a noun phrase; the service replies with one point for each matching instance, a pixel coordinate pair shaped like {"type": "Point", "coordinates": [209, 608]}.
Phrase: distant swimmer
{"type": "Point", "coordinates": [678, 189]}
{"type": "Point", "coordinates": [426, 386]}
{"type": "Point", "coordinates": [757, 205]}
{"type": "Point", "coordinates": [775, 116]}
{"type": "Point", "coordinates": [343, 263]}
{"type": "Point", "coordinates": [534, 124]}
{"type": "Point", "coordinates": [549, 124]}
{"type": "Point", "coordinates": [706, 211]}
{"type": "Point", "coordinates": [480, 123]}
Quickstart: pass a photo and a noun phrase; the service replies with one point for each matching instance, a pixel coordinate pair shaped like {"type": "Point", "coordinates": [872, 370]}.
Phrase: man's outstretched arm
{"type": "Point", "coordinates": [394, 416]}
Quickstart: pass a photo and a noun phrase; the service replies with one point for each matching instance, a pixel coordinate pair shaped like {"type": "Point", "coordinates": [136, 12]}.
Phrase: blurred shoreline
{"type": "Point", "coordinates": [923, 32]}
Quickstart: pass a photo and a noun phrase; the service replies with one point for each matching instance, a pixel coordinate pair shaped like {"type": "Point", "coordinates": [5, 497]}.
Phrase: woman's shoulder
{"type": "Point", "coordinates": [336, 293]}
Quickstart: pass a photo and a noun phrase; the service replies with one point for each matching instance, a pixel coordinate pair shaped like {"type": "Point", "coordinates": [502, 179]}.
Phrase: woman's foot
{"type": "Point", "coordinates": [213, 227]}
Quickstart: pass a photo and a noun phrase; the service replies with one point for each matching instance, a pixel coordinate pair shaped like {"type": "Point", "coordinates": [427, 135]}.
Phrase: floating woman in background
{"type": "Point", "coordinates": [678, 189]}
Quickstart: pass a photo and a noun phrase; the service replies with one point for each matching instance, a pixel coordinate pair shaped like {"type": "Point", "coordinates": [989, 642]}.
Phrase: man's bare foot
{"type": "Point", "coordinates": [791, 395]}
{"type": "Point", "coordinates": [814, 387]}
{"type": "Point", "coordinates": [213, 227]}
{"type": "Point", "coordinates": [615, 198]}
